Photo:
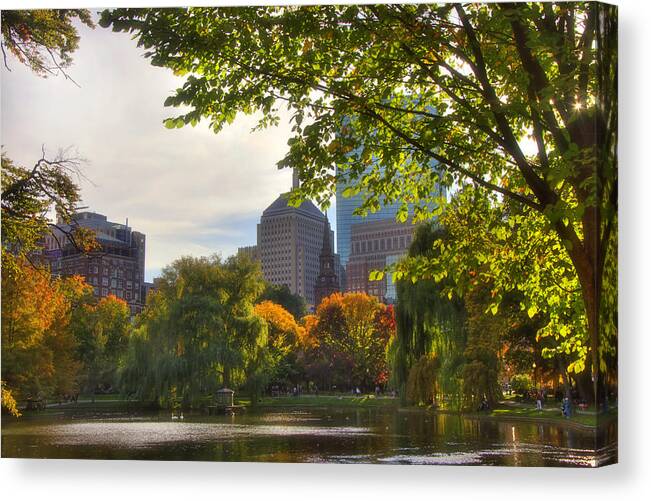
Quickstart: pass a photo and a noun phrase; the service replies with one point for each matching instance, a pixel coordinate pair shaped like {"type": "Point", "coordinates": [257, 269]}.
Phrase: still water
{"type": "Point", "coordinates": [362, 435]}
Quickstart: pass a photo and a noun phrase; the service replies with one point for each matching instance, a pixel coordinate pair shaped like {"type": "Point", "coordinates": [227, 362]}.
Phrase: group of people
{"type": "Point", "coordinates": [566, 404]}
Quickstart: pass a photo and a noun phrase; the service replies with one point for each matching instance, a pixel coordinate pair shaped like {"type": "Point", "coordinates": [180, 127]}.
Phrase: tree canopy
{"type": "Point", "coordinates": [280, 294]}
{"type": "Point", "coordinates": [28, 197]}
{"type": "Point", "coordinates": [42, 39]}
{"type": "Point", "coordinates": [346, 341]}
{"type": "Point", "coordinates": [519, 99]}
{"type": "Point", "coordinates": [38, 345]}
{"type": "Point", "coordinates": [102, 329]}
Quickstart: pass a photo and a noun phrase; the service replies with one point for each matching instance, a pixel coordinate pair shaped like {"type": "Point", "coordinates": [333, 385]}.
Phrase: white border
{"type": "Point", "coordinates": [103, 480]}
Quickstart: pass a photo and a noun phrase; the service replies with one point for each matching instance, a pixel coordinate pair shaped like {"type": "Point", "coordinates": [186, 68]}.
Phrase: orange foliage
{"type": "Point", "coordinates": [309, 325]}
{"type": "Point", "coordinates": [349, 334]}
{"type": "Point", "coordinates": [37, 344]}
{"type": "Point", "coordinates": [284, 332]}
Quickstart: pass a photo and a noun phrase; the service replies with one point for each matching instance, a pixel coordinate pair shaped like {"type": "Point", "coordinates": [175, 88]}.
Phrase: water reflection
{"type": "Point", "coordinates": [315, 435]}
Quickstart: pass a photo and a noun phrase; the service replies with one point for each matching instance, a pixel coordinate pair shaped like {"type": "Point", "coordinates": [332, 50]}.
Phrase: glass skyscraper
{"type": "Point", "coordinates": [346, 218]}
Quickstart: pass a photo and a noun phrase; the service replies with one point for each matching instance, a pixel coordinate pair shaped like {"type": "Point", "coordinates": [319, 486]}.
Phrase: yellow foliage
{"type": "Point", "coordinates": [37, 344]}
{"type": "Point", "coordinates": [8, 401]}
{"type": "Point", "coordinates": [284, 332]}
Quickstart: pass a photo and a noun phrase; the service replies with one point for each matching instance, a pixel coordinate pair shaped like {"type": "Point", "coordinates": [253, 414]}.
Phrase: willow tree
{"type": "Point", "coordinates": [283, 341]}
{"type": "Point", "coordinates": [198, 332]}
{"type": "Point", "coordinates": [102, 330]}
{"type": "Point", "coordinates": [519, 99]}
{"type": "Point", "coordinates": [428, 323]}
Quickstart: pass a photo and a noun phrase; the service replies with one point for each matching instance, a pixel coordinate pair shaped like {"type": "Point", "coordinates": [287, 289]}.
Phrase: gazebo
{"type": "Point", "coordinates": [224, 397]}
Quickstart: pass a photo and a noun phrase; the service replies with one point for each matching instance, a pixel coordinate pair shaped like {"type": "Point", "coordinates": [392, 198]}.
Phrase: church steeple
{"type": "Point", "coordinates": [326, 248]}
{"type": "Point", "coordinates": [326, 282]}
{"type": "Point", "coordinates": [296, 183]}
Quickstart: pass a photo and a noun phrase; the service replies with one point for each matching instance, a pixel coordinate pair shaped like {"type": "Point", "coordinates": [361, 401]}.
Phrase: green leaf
{"type": "Point", "coordinates": [376, 275]}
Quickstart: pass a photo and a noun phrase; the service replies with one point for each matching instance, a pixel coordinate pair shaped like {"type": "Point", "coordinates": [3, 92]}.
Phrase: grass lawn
{"type": "Point", "coordinates": [552, 413]}
{"type": "Point", "coordinates": [326, 401]}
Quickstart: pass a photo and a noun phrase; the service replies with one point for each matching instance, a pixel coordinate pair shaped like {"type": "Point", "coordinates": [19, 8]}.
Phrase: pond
{"type": "Point", "coordinates": [337, 435]}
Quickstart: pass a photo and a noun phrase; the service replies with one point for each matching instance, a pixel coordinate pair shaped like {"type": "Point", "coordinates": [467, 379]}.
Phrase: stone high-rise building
{"type": "Point", "coordinates": [374, 244]}
{"type": "Point", "coordinates": [327, 282]}
{"type": "Point", "coordinates": [250, 251]}
{"type": "Point", "coordinates": [117, 267]}
{"type": "Point", "coordinates": [289, 244]}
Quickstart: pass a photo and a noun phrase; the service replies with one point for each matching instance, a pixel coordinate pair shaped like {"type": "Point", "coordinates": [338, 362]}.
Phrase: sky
{"type": "Point", "coordinates": [189, 190]}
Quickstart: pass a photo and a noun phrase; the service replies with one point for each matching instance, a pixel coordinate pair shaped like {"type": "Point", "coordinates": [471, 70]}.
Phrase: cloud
{"type": "Point", "coordinates": [189, 190]}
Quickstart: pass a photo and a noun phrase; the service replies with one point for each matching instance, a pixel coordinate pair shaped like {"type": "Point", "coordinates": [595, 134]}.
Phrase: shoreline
{"type": "Point", "coordinates": [502, 413]}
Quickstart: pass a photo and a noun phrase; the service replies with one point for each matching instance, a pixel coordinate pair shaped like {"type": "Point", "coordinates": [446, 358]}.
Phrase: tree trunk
{"type": "Point", "coordinates": [589, 273]}
{"type": "Point", "coordinates": [567, 385]}
{"type": "Point", "coordinates": [226, 377]}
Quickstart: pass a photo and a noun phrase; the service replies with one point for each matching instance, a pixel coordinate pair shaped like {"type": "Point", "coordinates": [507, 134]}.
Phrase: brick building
{"type": "Point", "coordinates": [117, 268]}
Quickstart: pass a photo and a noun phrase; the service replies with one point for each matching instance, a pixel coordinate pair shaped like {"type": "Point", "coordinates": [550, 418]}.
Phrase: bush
{"type": "Point", "coordinates": [521, 384]}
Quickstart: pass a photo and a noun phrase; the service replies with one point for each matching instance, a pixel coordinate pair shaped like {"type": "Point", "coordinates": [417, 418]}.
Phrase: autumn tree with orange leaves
{"type": "Point", "coordinates": [284, 336]}
{"type": "Point", "coordinates": [38, 347]}
{"type": "Point", "coordinates": [346, 341]}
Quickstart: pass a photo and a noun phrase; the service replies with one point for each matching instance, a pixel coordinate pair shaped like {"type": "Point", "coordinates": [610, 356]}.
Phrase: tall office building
{"type": "Point", "coordinates": [375, 244]}
{"type": "Point", "coordinates": [346, 219]}
{"type": "Point", "coordinates": [117, 267]}
{"type": "Point", "coordinates": [289, 244]}
{"type": "Point", "coordinates": [250, 251]}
